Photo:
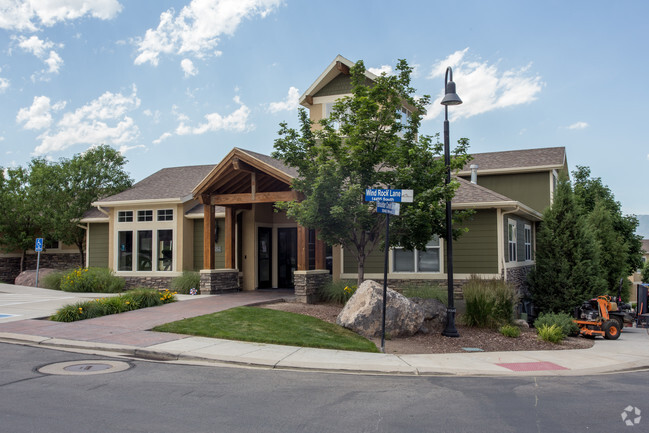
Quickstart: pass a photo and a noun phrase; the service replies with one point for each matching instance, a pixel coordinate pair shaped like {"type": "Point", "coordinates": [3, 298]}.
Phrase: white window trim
{"type": "Point", "coordinates": [125, 222]}
{"type": "Point", "coordinates": [528, 245]}
{"type": "Point", "coordinates": [510, 242]}
{"type": "Point", "coordinates": [438, 247]}
{"type": "Point", "coordinates": [157, 215]}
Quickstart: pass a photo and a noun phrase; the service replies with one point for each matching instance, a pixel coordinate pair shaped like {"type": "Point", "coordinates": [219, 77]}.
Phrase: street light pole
{"type": "Point", "coordinates": [450, 98]}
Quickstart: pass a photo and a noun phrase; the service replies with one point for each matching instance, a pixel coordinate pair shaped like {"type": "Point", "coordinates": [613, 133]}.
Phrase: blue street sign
{"type": "Point", "coordinates": [39, 245]}
{"type": "Point", "coordinates": [390, 208]}
{"type": "Point", "coordinates": [389, 195]}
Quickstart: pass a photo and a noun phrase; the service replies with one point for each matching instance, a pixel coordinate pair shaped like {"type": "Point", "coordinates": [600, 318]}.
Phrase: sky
{"type": "Point", "coordinates": [173, 83]}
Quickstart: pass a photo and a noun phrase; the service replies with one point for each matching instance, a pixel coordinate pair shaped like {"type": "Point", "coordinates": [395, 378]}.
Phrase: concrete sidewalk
{"type": "Point", "coordinates": [128, 334]}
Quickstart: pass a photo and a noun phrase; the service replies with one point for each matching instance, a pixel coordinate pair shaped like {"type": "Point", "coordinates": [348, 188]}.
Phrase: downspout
{"type": "Point", "coordinates": [502, 223]}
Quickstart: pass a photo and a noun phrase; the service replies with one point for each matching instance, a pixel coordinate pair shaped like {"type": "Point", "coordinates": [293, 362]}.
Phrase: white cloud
{"type": "Point", "coordinates": [124, 148]}
{"type": "Point", "coordinates": [237, 121]}
{"type": "Point", "coordinates": [162, 138]}
{"type": "Point", "coordinates": [188, 68]}
{"type": "Point", "coordinates": [579, 125]}
{"type": "Point", "coordinates": [4, 84]}
{"type": "Point", "coordinates": [102, 121]}
{"type": "Point", "coordinates": [42, 50]}
{"type": "Point", "coordinates": [291, 102]}
{"type": "Point", "coordinates": [381, 69]}
{"type": "Point", "coordinates": [482, 87]}
{"type": "Point", "coordinates": [38, 115]}
{"type": "Point", "coordinates": [29, 15]}
{"type": "Point", "coordinates": [197, 29]}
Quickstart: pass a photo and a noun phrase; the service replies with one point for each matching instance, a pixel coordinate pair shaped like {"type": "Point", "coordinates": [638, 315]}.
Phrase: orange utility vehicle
{"type": "Point", "coordinates": [594, 318]}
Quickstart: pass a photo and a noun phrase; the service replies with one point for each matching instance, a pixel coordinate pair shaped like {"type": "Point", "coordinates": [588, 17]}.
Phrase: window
{"type": "Point", "coordinates": [144, 250]}
{"type": "Point", "coordinates": [51, 244]}
{"type": "Point", "coordinates": [165, 250]}
{"type": "Point", "coordinates": [144, 215]}
{"type": "Point", "coordinates": [165, 215]}
{"type": "Point", "coordinates": [511, 239]}
{"type": "Point", "coordinates": [528, 242]}
{"type": "Point", "coordinates": [417, 261]}
{"type": "Point", "coordinates": [125, 253]}
{"type": "Point", "coordinates": [125, 216]}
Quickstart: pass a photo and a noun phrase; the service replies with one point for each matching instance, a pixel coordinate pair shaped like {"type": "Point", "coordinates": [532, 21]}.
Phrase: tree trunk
{"type": "Point", "coordinates": [82, 260]}
{"type": "Point", "coordinates": [22, 261]}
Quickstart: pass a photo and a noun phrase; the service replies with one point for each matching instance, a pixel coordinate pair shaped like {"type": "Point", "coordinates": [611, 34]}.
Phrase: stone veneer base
{"type": "Point", "coordinates": [307, 284]}
{"type": "Point", "coordinates": [215, 281]}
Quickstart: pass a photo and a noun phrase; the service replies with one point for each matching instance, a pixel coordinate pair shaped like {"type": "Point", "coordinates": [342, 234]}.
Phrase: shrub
{"type": "Point", "coordinates": [562, 320]}
{"type": "Point", "coordinates": [430, 291]}
{"type": "Point", "coordinates": [510, 331]}
{"type": "Point", "coordinates": [133, 300]}
{"type": "Point", "coordinates": [553, 333]}
{"type": "Point", "coordinates": [52, 280]}
{"type": "Point", "coordinates": [187, 281]}
{"type": "Point", "coordinates": [95, 280]}
{"type": "Point", "coordinates": [337, 292]}
{"type": "Point", "coordinates": [489, 303]}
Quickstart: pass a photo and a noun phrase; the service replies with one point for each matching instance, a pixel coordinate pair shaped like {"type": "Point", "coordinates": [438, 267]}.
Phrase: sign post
{"type": "Point", "coordinates": [38, 248]}
{"type": "Point", "coordinates": [388, 202]}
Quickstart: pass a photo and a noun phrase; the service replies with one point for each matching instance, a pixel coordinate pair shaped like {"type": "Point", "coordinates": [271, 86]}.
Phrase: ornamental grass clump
{"type": "Point", "coordinates": [510, 331]}
{"type": "Point", "coordinates": [489, 303]}
{"type": "Point", "coordinates": [53, 280]}
{"type": "Point", "coordinates": [186, 282]}
{"type": "Point", "coordinates": [337, 292]}
{"type": "Point", "coordinates": [553, 333]}
{"type": "Point", "coordinates": [562, 320]}
{"type": "Point", "coordinates": [92, 280]}
{"type": "Point", "coordinates": [428, 291]}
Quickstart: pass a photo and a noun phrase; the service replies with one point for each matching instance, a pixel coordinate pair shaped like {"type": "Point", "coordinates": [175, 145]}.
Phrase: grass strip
{"type": "Point", "coordinates": [262, 325]}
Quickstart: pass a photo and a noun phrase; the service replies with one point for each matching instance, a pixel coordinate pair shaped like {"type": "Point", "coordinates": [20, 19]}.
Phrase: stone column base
{"type": "Point", "coordinates": [215, 281]}
{"type": "Point", "coordinates": [307, 284]}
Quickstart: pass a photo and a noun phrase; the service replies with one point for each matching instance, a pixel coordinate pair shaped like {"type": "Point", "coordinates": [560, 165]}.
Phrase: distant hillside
{"type": "Point", "coordinates": [643, 227]}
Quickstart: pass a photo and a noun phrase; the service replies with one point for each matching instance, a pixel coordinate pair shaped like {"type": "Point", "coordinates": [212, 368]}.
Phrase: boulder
{"type": "Point", "coordinates": [521, 323]}
{"type": "Point", "coordinates": [28, 278]}
{"type": "Point", "coordinates": [434, 309]}
{"type": "Point", "coordinates": [363, 312]}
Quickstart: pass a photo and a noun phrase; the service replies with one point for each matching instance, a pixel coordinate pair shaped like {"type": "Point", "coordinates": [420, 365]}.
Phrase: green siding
{"type": "Point", "coordinates": [476, 251]}
{"type": "Point", "coordinates": [531, 189]}
{"type": "Point", "coordinates": [341, 85]}
{"type": "Point", "coordinates": [219, 258]}
{"type": "Point", "coordinates": [373, 262]}
{"type": "Point", "coordinates": [98, 245]}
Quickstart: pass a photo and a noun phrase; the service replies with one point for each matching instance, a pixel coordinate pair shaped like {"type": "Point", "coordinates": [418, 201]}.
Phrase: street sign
{"type": "Point", "coordinates": [388, 207]}
{"type": "Point", "coordinates": [389, 195]}
{"type": "Point", "coordinates": [39, 245]}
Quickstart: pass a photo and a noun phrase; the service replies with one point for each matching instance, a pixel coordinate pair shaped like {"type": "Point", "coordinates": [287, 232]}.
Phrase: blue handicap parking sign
{"type": "Point", "coordinates": [39, 245]}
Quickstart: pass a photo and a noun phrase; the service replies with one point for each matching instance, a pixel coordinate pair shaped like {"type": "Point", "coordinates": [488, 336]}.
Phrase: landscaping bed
{"type": "Point", "coordinates": [487, 340]}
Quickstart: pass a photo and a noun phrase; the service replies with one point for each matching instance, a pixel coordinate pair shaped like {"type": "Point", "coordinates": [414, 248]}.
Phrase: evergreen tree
{"type": "Point", "coordinates": [567, 263]}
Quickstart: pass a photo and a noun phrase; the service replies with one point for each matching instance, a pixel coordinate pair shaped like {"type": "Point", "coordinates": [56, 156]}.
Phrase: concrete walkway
{"type": "Point", "coordinates": [128, 334]}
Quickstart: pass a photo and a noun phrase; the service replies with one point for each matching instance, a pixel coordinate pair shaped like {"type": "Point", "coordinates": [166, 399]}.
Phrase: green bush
{"type": "Point", "coordinates": [52, 280]}
{"type": "Point", "coordinates": [553, 333]}
{"type": "Point", "coordinates": [92, 280]}
{"type": "Point", "coordinates": [337, 292]}
{"type": "Point", "coordinates": [489, 303]}
{"type": "Point", "coordinates": [187, 281]}
{"type": "Point", "coordinates": [562, 320]}
{"type": "Point", "coordinates": [510, 331]}
{"type": "Point", "coordinates": [132, 300]}
{"type": "Point", "coordinates": [429, 291]}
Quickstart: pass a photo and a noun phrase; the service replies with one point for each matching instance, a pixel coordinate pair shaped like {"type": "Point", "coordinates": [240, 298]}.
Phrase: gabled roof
{"type": "Point", "coordinates": [340, 65]}
{"type": "Point", "coordinates": [231, 175]}
{"type": "Point", "coordinates": [168, 185]}
{"type": "Point", "coordinates": [473, 196]}
{"type": "Point", "coordinates": [544, 159]}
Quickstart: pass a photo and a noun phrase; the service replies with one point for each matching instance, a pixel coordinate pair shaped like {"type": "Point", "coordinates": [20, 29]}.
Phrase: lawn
{"type": "Point", "coordinates": [262, 325]}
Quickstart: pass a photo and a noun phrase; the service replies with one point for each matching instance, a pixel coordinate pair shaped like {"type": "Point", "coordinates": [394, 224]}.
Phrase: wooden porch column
{"type": "Point", "coordinates": [302, 248]}
{"type": "Point", "coordinates": [320, 253]}
{"type": "Point", "coordinates": [209, 224]}
{"type": "Point", "coordinates": [230, 247]}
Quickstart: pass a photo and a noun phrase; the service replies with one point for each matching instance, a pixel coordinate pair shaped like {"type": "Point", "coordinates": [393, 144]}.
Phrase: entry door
{"type": "Point", "coordinates": [265, 257]}
{"type": "Point", "coordinates": [286, 257]}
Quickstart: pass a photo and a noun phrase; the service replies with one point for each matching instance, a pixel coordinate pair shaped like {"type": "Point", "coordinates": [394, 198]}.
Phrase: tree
{"type": "Point", "coordinates": [19, 212]}
{"type": "Point", "coordinates": [620, 248]}
{"type": "Point", "coordinates": [78, 182]}
{"type": "Point", "coordinates": [567, 261]}
{"type": "Point", "coordinates": [645, 273]}
{"type": "Point", "coordinates": [366, 143]}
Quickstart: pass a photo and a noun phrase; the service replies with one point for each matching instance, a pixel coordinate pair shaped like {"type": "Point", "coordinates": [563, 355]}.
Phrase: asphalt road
{"type": "Point", "coordinates": [161, 397]}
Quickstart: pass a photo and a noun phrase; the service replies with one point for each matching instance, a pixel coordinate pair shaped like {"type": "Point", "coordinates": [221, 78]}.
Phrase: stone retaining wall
{"type": "Point", "coordinates": [159, 283]}
{"type": "Point", "coordinates": [10, 266]}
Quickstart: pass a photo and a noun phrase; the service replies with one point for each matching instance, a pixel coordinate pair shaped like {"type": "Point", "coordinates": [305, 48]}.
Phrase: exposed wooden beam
{"type": "Point", "coordinates": [260, 197]}
{"type": "Point", "coordinates": [309, 99]}
{"type": "Point", "coordinates": [230, 248]}
{"type": "Point", "coordinates": [209, 230]}
{"type": "Point", "coordinates": [342, 68]}
{"type": "Point", "coordinates": [302, 248]}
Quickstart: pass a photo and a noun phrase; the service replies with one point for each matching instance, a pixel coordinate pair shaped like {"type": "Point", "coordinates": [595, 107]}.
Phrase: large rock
{"type": "Point", "coordinates": [363, 312]}
{"type": "Point", "coordinates": [434, 310]}
{"type": "Point", "coordinates": [28, 278]}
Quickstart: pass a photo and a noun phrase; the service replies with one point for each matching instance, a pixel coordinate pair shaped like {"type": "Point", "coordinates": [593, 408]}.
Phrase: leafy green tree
{"type": "Point", "coordinates": [19, 212]}
{"type": "Point", "coordinates": [78, 182]}
{"type": "Point", "coordinates": [589, 191]}
{"type": "Point", "coordinates": [366, 143]}
{"type": "Point", "coordinates": [567, 261]}
{"type": "Point", "coordinates": [645, 273]}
